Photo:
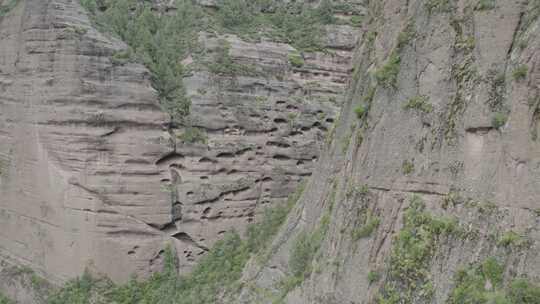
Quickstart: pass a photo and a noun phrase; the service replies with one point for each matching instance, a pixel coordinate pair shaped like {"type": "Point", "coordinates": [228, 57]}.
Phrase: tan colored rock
{"type": "Point", "coordinates": [92, 178]}
{"type": "Point", "coordinates": [79, 141]}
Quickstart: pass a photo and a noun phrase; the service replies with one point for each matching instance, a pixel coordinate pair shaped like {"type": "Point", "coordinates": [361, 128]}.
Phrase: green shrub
{"type": "Point", "coordinates": [509, 239]}
{"type": "Point", "coordinates": [388, 73]}
{"type": "Point", "coordinates": [493, 271]}
{"type": "Point", "coordinates": [367, 229]}
{"type": "Point", "coordinates": [373, 276]}
{"type": "Point", "coordinates": [363, 190]}
{"type": "Point", "coordinates": [5, 300]}
{"type": "Point", "coordinates": [90, 5]}
{"type": "Point", "coordinates": [194, 135]}
{"type": "Point", "coordinates": [438, 6]}
{"type": "Point", "coordinates": [122, 57]}
{"type": "Point", "coordinates": [235, 13]}
{"type": "Point", "coordinates": [7, 7]}
{"type": "Point", "coordinates": [407, 167]}
{"type": "Point", "coordinates": [485, 5]}
{"type": "Point", "coordinates": [405, 36]}
{"type": "Point", "coordinates": [471, 282]}
{"type": "Point", "coordinates": [523, 292]}
{"type": "Point", "coordinates": [77, 291]}
{"type": "Point", "coordinates": [223, 63]}
{"type": "Point", "coordinates": [302, 255]}
{"type": "Point", "coordinates": [370, 94]}
{"type": "Point", "coordinates": [296, 59]}
{"type": "Point", "coordinates": [412, 250]}
{"type": "Point", "coordinates": [520, 72]}
{"type": "Point", "coordinates": [356, 21]}
{"type": "Point", "coordinates": [498, 120]}
{"type": "Point", "coordinates": [469, 288]}
{"type": "Point", "coordinates": [303, 251]}
{"type": "Point", "coordinates": [420, 103]}
{"type": "Point", "coordinates": [160, 42]}
{"type": "Point", "coordinates": [360, 111]}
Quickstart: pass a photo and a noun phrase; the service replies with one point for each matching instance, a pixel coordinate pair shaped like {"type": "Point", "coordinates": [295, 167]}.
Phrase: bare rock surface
{"type": "Point", "coordinates": [453, 154]}
{"type": "Point", "coordinates": [79, 141]}
{"type": "Point", "coordinates": [92, 178]}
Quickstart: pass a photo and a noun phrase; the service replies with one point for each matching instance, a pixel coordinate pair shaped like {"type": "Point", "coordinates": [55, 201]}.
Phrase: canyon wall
{"type": "Point", "coordinates": [92, 174]}
{"type": "Point", "coordinates": [439, 129]}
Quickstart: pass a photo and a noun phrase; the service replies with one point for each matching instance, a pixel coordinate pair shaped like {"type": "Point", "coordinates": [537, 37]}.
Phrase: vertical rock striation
{"type": "Point", "coordinates": [446, 117]}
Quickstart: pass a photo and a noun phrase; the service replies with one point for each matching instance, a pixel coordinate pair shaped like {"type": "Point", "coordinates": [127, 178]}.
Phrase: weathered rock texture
{"type": "Point", "coordinates": [460, 162]}
{"type": "Point", "coordinates": [91, 176]}
{"type": "Point", "coordinates": [79, 139]}
{"type": "Point", "coordinates": [265, 132]}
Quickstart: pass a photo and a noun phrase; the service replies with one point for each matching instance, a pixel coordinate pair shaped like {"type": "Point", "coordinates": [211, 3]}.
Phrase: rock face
{"type": "Point", "coordinates": [91, 176]}
{"type": "Point", "coordinates": [264, 133]}
{"type": "Point", "coordinates": [79, 141]}
{"type": "Point", "coordinates": [457, 129]}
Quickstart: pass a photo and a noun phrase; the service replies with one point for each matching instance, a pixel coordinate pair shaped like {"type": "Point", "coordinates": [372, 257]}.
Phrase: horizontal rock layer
{"type": "Point", "coordinates": [92, 177]}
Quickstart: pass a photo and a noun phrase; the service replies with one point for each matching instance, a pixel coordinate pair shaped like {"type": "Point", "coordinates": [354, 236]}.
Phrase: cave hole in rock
{"type": "Point", "coordinates": [225, 155]}
{"type": "Point", "coordinates": [292, 107]}
{"type": "Point", "coordinates": [182, 236]}
{"type": "Point", "coordinates": [221, 170]}
{"type": "Point", "coordinates": [280, 120]}
{"type": "Point", "coordinates": [170, 157]}
{"type": "Point", "coordinates": [206, 160]}
{"type": "Point", "coordinates": [278, 144]}
{"type": "Point", "coordinates": [296, 133]}
{"type": "Point", "coordinates": [281, 157]}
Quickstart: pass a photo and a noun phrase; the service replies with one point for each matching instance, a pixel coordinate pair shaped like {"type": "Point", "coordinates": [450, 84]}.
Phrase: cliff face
{"type": "Point", "coordinates": [91, 175]}
{"type": "Point", "coordinates": [433, 164]}
{"type": "Point", "coordinates": [264, 133]}
{"type": "Point", "coordinates": [79, 142]}
{"type": "Point", "coordinates": [446, 132]}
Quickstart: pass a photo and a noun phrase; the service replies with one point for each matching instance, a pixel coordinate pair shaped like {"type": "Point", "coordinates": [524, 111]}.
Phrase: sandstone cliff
{"type": "Point", "coordinates": [426, 190]}
{"type": "Point", "coordinates": [444, 135]}
{"type": "Point", "coordinates": [93, 176]}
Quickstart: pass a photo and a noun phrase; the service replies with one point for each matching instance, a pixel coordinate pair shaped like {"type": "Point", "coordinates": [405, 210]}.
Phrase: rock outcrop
{"type": "Point", "coordinates": [79, 142]}
{"type": "Point", "coordinates": [93, 177]}
{"type": "Point", "coordinates": [447, 94]}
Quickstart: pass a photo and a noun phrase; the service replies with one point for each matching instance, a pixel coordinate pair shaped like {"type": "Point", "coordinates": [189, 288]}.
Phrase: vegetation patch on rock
{"type": "Point", "coordinates": [214, 277]}
{"type": "Point", "coordinates": [413, 248]}
{"type": "Point", "coordinates": [483, 283]}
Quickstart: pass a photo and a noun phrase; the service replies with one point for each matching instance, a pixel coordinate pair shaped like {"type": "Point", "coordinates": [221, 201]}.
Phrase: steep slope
{"type": "Point", "coordinates": [78, 145]}
{"type": "Point", "coordinates": [434, 166]}
{"type": "Point", "coordinates": [94, 175]}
